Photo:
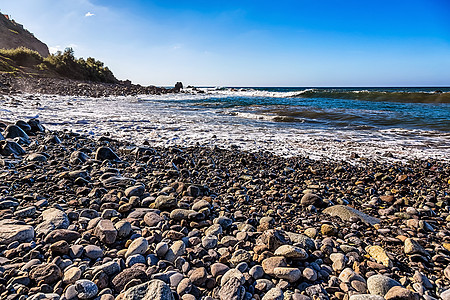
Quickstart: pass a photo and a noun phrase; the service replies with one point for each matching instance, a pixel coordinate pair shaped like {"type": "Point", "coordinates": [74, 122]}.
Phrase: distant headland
{"type": "Point", "coordinates": [26, 65]}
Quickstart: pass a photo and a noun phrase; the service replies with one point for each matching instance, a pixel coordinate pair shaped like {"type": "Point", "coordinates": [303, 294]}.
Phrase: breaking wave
{"type": "Point", "coordinates": [405, 95]}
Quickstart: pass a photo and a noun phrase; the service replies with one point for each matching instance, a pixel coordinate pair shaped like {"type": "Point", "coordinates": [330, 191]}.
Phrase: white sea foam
{"type": "Point", "coordinates": [167, 120]}
{"type": "Point", "coordinates": [250, 92]}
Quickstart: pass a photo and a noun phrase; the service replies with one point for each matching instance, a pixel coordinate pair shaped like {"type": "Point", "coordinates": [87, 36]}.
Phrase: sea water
{"type": "Point", "coordinates": [332, 123]}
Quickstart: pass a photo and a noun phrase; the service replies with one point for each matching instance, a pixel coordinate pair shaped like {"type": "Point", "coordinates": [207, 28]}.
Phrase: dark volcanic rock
{"type": "Point", "coordinates": [62, 234]}
{"type": "Point", "coordinates": [103, 153]}
{"type": "Point", "coordinates": [312, 199]}
{"type": "Point", "coordinates": [36, 126]}
{"type": "Point", "coordinates": [8, 148]}
{"type": "Point", "coordinates": [47, 273]}
{"type": "Point", "coordinates": [273, 239]}
{"type": "Point", "coordinates": [127, 275]}
{"type": "Point", "coordinates": [14, 131]}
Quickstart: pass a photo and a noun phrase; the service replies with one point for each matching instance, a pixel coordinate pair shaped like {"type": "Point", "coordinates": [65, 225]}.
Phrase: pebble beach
{"type": "Point", "coordinates": [85, 217]}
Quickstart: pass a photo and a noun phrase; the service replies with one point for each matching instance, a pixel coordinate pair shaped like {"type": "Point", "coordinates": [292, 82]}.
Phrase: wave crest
{"type": "Point", "coordinates": [407, 97]}
{"type": "Point", "coordinates": [391, 95]}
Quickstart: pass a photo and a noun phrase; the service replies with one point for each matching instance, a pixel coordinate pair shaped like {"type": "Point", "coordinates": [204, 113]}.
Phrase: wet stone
{"type": "Point", "coordinates": [292, 252]}
{"type": "Point", "coordinates": [105, 153]}
{"type": "Point", "coordinates": [218, 269]}
{"type": "Point", "coordinates": [138, 246]}
{"type": "Point", "coordinates": [269, 264]}
{"type": "Point", "coordinates": [165, 203]}
{"type": "Point", "coordinates": [398, 292]}
{"type": "Point", "coordinates": [176, 250]}
{"type": "Point", "coordinates": [380, 284]}
{"type": "Point", "coordinates": [93, 252]}
{"type": "Point", "coordinates": [346, 213]}
{"type": "Point", "coordinates": [53, 218]}
{"type": "Point", "coordinates": [10, 233]}
{"type": "Point", "coordinates": [26, 212]}
{"type": "Point", "coordinates": [62, 234]}
{"type": "Point", "coordinates": [209, 242]}
{"type": "Point", "coordinates": [274, 294]}
{"type": "Point", "coordinates": [152, 219]}
{"type": "Point", "coordinates": [86, 289]}
{"type": "Point", "coordinates": [311, 199]}
{"type": "Point", "coordinates": [13, 131]}
{"type": "Point", "coordinates": [47, 273]}
{"type": "Point", "coordinates": [413, 247]}
{"type": "Point", "coordinates": [232, 290]}
{"type": "Point", "coordinates": [71, 275]}
{"type": "Point", "coordinates": [289, 274]}
{"type": "Point", "coordinates": [154, 289]}
{"type": "Point", "coordinates": [105, 231]}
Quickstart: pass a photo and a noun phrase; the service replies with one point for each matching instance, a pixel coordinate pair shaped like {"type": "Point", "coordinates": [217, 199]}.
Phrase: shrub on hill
{"type": "Point", "coordinates": [67, 65]}
{"type": "Point", "coordinates": [63, 63]}
{"type": "Point", "coordinates": [19, 56]}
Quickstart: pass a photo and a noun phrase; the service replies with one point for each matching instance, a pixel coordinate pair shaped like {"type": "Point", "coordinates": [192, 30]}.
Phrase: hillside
{"type": "Point", "coordinates": [25, 62]}
{"type": "Point", "coordinates": [22, 54]}
{"type": "Point", "coordinates": [13, 35]}
{"type": "Point", "coordinates": [26, 66]}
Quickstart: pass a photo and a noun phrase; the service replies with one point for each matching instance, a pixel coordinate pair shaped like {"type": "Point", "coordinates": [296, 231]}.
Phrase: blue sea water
{"type": "Point", "coordinates": [425, 109]}
{"type": "Point", "coordinates": [409, 122]}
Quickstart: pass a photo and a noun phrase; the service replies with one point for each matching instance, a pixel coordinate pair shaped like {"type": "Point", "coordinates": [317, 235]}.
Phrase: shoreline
{"type": "Point", "coordinates": [14, 85]}
{"type": "Point", "coordinates": [180, 119]}
{"type": "Point", "coordinates": [106, 217]}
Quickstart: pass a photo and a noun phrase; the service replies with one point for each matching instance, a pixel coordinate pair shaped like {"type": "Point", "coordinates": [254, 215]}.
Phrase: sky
{"type": "Point", "coordinates": [304, 43]}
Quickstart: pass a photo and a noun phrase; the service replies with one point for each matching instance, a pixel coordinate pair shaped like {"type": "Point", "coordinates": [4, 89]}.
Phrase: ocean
{"type": "Point", "coordinates": [385, 124]}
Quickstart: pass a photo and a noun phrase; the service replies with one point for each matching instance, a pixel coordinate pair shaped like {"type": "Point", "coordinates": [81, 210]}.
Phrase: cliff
{"type": "Point", "coordinates": [13, 35]}
{"type": "Point", "coordinates": [26, 66]}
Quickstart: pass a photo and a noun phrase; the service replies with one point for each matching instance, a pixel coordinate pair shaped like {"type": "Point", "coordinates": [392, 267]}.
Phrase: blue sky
{"type": "Point", "coordinates": [251, 43]}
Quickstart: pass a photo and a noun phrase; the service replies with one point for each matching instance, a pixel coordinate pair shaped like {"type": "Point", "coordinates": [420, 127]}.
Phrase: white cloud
{"type": "Point", "coordinates": [177, 46]}
{"type": "Point", "coordinates": [89, 14]}
{"type": "Point", "coordinates": [54, 49]}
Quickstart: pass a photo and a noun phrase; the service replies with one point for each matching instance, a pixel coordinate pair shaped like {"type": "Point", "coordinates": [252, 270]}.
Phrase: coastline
{"type": "Point", "coordinates": [107, 220]}
{"type": "Point", "coordinates": [229, 120]}
{"type": "Point", "coordinates": [319, 171]}
{"type": "Point", "coordinates": [14, 85]}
